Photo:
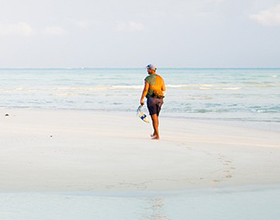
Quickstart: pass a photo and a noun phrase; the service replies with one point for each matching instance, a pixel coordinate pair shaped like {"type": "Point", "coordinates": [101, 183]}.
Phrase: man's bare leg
{"type": "Point", "coordinates": [154, 134]}
{"type": "Point", "coordinates": [155, 125]}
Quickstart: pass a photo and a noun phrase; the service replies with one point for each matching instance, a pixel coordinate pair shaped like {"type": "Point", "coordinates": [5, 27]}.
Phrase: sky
{"type": "Point", "coordinates": [132, 34]}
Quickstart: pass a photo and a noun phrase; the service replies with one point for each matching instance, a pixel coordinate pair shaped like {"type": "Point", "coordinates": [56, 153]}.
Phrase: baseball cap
{"type": "Point", "coordinates": [151, 66]}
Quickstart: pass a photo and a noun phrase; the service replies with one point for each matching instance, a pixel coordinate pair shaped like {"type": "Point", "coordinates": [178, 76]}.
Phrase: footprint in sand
{"type": "Point", "coordinates": [227, 167]}
{"type": "Point", "coordinates": [228, 176]}
{"type": "Point", "coordinates": [226, 162]}
{"type": "Point", "coordinates": [184, 145]}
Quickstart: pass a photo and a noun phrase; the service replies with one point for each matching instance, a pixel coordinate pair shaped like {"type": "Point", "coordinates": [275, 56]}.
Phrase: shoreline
{"type": "Point", "coordinates": [58, 150]}
{"type": "Point", "coordinates": [264, 124]}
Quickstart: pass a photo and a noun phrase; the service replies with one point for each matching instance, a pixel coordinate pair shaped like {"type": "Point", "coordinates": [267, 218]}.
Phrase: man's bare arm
{"type": "Point", "coordinates": [144, 93]}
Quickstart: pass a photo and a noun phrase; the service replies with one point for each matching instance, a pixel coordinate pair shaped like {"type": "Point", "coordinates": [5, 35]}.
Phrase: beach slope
{"type": "Point", "coordinates": [72, 150]}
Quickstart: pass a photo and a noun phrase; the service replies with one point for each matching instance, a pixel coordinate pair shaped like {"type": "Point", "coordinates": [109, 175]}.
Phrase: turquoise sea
{"type": "Point", "coordinates": [220, 94]}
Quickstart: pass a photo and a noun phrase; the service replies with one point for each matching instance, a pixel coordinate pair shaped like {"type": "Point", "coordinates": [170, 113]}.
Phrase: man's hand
{"type": "Point", "coordinates": [141, 102]}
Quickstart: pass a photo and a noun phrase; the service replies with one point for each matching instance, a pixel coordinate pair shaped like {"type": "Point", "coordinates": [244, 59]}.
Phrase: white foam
{"type": "Point", "coordinates": [232, 88]}
{"type": "Point", "coordinates": [65, 94]}
{"type": "Point", "coordinates": [127, 87]}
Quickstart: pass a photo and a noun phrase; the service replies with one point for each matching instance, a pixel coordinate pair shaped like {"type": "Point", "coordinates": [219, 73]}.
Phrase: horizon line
{"type": "Point", "coordinates": [138, 68]}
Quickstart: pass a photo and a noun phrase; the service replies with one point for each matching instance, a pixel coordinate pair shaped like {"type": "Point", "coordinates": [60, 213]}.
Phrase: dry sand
{"type": "Point", "coordinates": [64, 150]}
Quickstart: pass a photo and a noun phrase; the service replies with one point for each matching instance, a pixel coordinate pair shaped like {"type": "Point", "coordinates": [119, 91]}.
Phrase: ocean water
{"type": "Point", "coordinates": [220, 94]}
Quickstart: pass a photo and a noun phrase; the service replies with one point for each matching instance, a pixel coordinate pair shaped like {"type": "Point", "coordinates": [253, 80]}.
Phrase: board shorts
{"type": "Point", "coordinates": [154, 105]}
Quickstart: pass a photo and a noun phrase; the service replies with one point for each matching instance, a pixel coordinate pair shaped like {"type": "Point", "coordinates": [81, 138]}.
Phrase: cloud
{"type": "Point", "coordinates": [54, 30]}
{"type": "Point", "coordinates": [24, 29]}
{"type": "Point", "coordinates": [269, 17]}
{"type": "Point", "coordinates": [82, 23]}
{"type": "Point", "coordinates": [20, 28]}
{"type": "Point", "coordinates": [129, 26]}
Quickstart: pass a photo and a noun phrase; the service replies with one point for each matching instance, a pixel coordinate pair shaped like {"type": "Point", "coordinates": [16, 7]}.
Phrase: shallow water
{"type": "Point", "coordinates": [221, 94]}
{"type": "Point", "coordinates": [231, 203]}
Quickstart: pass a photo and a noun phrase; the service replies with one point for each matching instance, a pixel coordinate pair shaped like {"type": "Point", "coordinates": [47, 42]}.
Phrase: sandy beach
{"type": "Point", "coordinates": [72, 75]}
{"type": "Point", "coordinates": [75, 150]}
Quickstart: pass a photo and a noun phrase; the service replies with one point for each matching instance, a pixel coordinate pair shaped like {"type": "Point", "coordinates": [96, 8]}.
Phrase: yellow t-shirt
{"type": "Point", "coordinates": [156, 85]}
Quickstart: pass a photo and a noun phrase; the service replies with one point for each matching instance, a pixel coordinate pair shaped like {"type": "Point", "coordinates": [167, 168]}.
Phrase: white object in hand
{"type": "Point", "coordinates": [142, 115]}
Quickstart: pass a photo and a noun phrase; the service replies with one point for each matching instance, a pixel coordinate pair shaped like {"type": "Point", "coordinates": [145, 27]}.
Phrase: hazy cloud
{"type": "Point", "coordinates": [181, 33]}
{"type": "Point", "coordinates": [130, 26]}
{"type": "Point", "coordinates": [54, 30]}
{"type": "Point", "coordinates": [83, 23]}
{"type": "Point", "coordinates": [269, 17]}
{"type": "Point", "coordinates": [20, 28]}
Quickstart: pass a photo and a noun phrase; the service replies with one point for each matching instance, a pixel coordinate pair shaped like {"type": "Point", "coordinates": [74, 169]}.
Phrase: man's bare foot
{"type": "Point", "coordinates": [152, 135]}
{"type": "Point", "coordinates": [155, 137]}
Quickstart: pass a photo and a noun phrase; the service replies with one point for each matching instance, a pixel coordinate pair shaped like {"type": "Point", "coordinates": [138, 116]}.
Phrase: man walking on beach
{"type": "Point", "coordinates": [154, 90]}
